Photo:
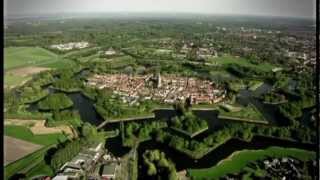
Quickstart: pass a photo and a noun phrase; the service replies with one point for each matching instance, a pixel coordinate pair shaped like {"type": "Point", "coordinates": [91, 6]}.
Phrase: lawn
{"type": "Point", "coordinates": [225, 60]}
{"type": "Point", "coordinates": [240, 159]}
{"type": "Point", "coordinates": [15, 57]}
{"type": "Point", "coordinates": [59, 64]}
{"type": "Point", "coordinates": [21, 132]}
{"type": "Point", "coordinates": [11, 80]}
{"type": "Point", "coordinates": [249, 112]}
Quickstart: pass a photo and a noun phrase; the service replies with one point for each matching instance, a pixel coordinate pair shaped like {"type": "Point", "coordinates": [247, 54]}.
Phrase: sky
{"type": "Point", "coordinates": [288, 8]}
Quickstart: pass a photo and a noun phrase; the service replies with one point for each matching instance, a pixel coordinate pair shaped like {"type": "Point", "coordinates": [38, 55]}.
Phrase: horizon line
{"type": "Point", "coordinates": [169, 13]}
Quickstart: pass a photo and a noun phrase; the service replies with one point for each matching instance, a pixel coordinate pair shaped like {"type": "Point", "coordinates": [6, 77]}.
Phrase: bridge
{"type": "Point", "coordinates": [138, 118]}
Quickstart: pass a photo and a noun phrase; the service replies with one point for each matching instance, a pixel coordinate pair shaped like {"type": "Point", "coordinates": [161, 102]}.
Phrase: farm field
{"type": "Point", "coordinates": [240, 159]}
{"type": "Point", "coordinates": [33, 160]}
{"type": "Point", "coordinates": [16, 149]}
{"type": "Point", "coordinates": [38, 126]}
{"type": "Point", "coordinates": [24, 133]}
{"type": "Point", "coordinates": [15, 57]}
{"type": "Point", "coordinates": [26, 163]}
{"type": "Point", "coordinates": [26, 71]}
{"type": "Point", "coordinates": [21, 63]}
{"type": "Point", "coordinates": [12, 80]}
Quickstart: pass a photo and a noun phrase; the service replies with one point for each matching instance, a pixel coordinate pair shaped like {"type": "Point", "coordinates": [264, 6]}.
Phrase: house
{"type": "Point", "coordinates": [108, 171]}
{"type": "Point", "coordinates": [60, 177]}
{"type": "Point", "coordinates": [185, 49]}
{"type": "Point", "coordinates": [110, 52]}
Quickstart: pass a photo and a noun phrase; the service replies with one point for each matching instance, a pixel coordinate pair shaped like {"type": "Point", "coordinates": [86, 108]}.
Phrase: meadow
{"type": "Point", "coordinates": [227, 59]}
{"type": "Point", "coordinates": [16, 58]}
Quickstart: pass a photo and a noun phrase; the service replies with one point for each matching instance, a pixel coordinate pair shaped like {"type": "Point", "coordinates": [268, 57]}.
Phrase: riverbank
{"type": "Point", "coordinates": [240, 159]}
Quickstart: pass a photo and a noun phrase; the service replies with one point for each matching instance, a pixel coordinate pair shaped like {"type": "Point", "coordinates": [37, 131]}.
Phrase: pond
{"type": "Point", "coordinates": [269, 111]}
{"type": "Point", "coordinates": [82, 104]}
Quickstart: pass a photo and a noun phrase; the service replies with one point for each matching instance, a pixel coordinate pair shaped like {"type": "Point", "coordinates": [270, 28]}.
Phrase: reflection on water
{"type": "Point", "coordinates": [81, 103]}
{"type": "Point", "coordinates": [85, 108]}
{"type": "Point", "coordinates": [182, 161]}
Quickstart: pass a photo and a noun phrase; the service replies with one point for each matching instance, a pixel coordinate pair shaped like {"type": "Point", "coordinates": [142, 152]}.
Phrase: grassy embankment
{"type": "Point", "coordinates": [249, 113]}
{"type": "Point", "coordinates": [241, 159]}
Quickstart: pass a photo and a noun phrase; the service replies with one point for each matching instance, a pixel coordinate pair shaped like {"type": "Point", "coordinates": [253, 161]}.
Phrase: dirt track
{"type": "Point", "coordinates": [26, 71]}
{"type": "Point", "coordinates": [15, 149]}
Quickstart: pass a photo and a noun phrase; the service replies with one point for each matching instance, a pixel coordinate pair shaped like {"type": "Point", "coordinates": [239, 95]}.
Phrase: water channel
{"type": "Point", "coordinates": [88, 114]}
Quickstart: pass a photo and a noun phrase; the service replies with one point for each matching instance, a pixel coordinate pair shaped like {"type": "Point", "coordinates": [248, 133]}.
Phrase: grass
{"type": "Point", "coordinates": [23, 164]}
{"type": "Point", "coordinates": [79, 52]}
{"type": "Point", "coordinates": [240, 159]}
{"type": "Point", "coordinates": [15, 57]}
{"type": "Point", "coordinates": [34, 161]}
{"type": "Point", "coordinates": [89, 58]}
{"type": "Point", "coordinates": [253, 85]}
{"type": "Point", "coordinates": [24, 133]}
{"type": "Point", "coordinates": [41, 169]}
{"type": "Point", "coordinates": [226, 60]}
{"type": "Point", "coordinates": [59, 64]}
{"type": "Point", "coordinates": [12, 80]}
{"type": "Point", "coordinates": [190, 134]}
{"type": "Point", "coordinates": [249, 112]}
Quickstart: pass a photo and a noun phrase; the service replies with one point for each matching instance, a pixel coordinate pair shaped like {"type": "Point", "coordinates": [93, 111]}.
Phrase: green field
{"type": "Point", "coordinates": [18, 57]}
{"type": "Point", "coordinates": [249, 112]}
{"type": "Point", "coordinates": [15, 57]}
{"type": "Point", "coordinates": [41, 169]}
{"type": "Point", "coordinates": [225, 60]}
{"type": "Point", "coordinates": [11, 80]}
{"type": "Point", "coordinates": [241, 159]}
{"type": "Point", "coordinates": [59, 64]}
{"type": "Point", "coordinates": [21, 132]}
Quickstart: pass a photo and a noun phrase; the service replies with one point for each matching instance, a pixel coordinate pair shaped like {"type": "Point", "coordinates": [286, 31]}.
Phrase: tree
{"type": "Point", "coordinates": [128, 70]}
{"type": "Point", "coordinates": [55, 101]}
{"type": "Point", "coordinates": [141, 70]}
{"type": "Point", "coordinates": [152, 170]}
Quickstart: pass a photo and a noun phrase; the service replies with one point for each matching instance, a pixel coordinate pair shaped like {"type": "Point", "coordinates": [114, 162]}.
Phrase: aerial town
{"type": "Point", "coordinates": [167, 89]}
{"type": "Point", "coordinates": [70, 46]}
{"type": "Point", "coordinates": [135, 96]}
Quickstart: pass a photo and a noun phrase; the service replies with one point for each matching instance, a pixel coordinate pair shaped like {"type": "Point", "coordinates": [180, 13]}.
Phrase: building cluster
{"type": "Point", "coordinates": [110, 52]}
{"type": "Point", "coordinates": [167, 89]}
{"type": "Point", "coordinates": [70, 46]}
{"type": "Point", "coordinates": [200, 52]}
{"type": "Point", "coordinates": [284, 168]}
{"type": "Point", "coordinates": [93, 163]}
